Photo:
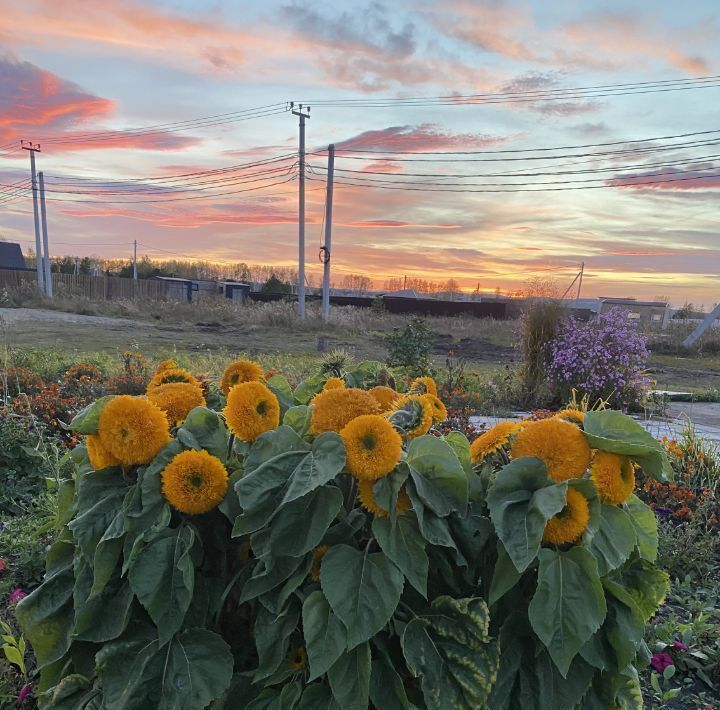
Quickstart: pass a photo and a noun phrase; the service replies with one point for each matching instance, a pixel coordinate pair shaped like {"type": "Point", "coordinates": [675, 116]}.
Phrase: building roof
{"type": "Point", "coordinates": [634, 302]}
{"type": "Point", "coordinates": [11, 256]}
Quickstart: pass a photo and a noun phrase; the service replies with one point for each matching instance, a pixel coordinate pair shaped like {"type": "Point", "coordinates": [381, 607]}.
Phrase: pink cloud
{"type": "Point", "coordinates": [702, 176]}
{"type": "Point", "coordinates": [395, 224]}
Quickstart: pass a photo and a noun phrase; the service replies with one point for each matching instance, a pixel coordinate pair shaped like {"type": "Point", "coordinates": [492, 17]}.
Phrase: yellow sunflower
{"type": "Point", "coordinates": [174, 374]}
{"type": "Point", "coordinates": [561, 445]}
{"type": "Point", "coordinates": [492, 440]}
{"type": "Point", "coordinates": [367, 500]}
{"type": "Point", "coordinates": [194, 482]}
{"type": "Point", "coordinates": [413, 415]}
{"type": "Point", "coordinates": [576, 416]}
{"type": "Point", "coordinates": [240, 371]}
{"type": "Point", "coordinates": [334, 383]}
{"type": "Point", "coordinates": [133, 429]}
{"type": "Point", "coordinates": [167, 365]}
{"type": "Point", "coordinates": [176, 399]}
{"type": "Point", "coordinates": [333, 409]}
{"type": "Point", "coordinates": [318, 554]}
{"type": "Point", "coordinates": [439, 412]}
{"type": "Point", "coordinates": [613, 476]}
{"type": "Point", "coordinates": [251, 410]}
{"type": "Point", "coordinates": [373, 447]}
{"type": "Point", "coordinates": [570, 522]}
{"type": "Point", "coordinates": [384, 396]}
{"type": "Point", "coordinates": [99, 456]}
{"type": "Point", "coordinates": [297, 658]}
{"type": "Point", "coordinates": [423, 385]}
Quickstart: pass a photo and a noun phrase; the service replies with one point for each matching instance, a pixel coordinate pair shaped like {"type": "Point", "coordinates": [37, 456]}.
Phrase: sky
{"type": "Point", "coordinates": [79, 77]}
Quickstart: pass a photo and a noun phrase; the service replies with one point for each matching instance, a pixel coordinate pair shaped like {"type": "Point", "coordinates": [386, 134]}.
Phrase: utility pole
{"type": "Point", "coordinates": [582, 271]}
{"type": "Point", "coordinates": [328, 233]}
{"type": "Point", "coordinates": [46, 243]}
{"type": "Point", "coordinates": [135, 260]}
{"type": "Point", "coordinates": [303, 113]}
{"type": "Point", "coordinates": [35, 148]}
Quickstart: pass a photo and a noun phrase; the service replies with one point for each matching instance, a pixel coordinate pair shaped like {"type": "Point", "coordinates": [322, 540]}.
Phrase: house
{"type": "Point", "coordinates": [647, 312]}
{"type": "Point", "coordinates": [11, 257]}
{"type": "Point", "coordinates": [177, 289]}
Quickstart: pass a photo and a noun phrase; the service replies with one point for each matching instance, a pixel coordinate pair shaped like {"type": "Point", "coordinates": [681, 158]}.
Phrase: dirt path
{"type": "Point", "coordinates": [18, 315]}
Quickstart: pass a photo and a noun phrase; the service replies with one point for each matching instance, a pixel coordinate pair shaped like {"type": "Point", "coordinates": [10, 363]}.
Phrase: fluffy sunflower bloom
{"type": "Point", "coordinates": [613, 476]}
{"type": "Point", "coordinates": [439, 412]}
{"type": "Point", "coordinates": [167, 365]}
{"type": "Point", "coordinates": [384, 396]}
{"type": "Point", "coordinates": [570, 522]}
{"type": "Point", "coordinates": [367, 500]}
{"type": "Point", "coordinates": [238, 372]}
{"type": "Point", "coordinates": [251, 410]}
{"type": "Point", "coordinates": [99, 456]}
{"type": "Point", "coordinates": [333, 409]}
{"type": "Point", "coordinates": [492, 440]}
{"type": "Point", "coordinates": [133, 429]}
{"type": "Point", "coordinates": [297, 658]}
{"type": "Point", "coordinates": [334, 383]}
{"type": "Point", "coordinates": [424, 385]}
{"type": "Point", "coordinates": [318, 554]}
{"type": "Point", "coordinates": [176, 399]}
{"type": "Point", "coordinates": [413, 415]}
{"type": "Point", "coordinates": [576, 416]}
{"type": "Point", "coordinates": [373, 447]}
{"type": "Point", "coordinates": [173, 374]}
{"type": "Point", "coordinates": [194, 482]}
{"type": "Point", "coordinates": [561, 445]}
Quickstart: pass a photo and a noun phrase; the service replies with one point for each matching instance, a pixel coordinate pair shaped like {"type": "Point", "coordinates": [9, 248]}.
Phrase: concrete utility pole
{"type": "Point", "coordinates": [46, 243]}
{"type": "Point", "coordinates": [709, 320]}
{"type": "Point", "coordinates": [328, 233]}
{"type": "Point", "coordinates": [582, 271]}
{"type": "Point", "coordinates": [135, 260]}
{"type": "Point", "coordinates": [303, 113]}
{"type": "Point", "coordinates": [35, 148]}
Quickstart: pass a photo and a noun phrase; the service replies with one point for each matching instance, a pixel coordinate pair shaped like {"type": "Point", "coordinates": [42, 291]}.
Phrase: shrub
{"type": "Point", "coordinates": [410, 347]}
{"type": "Point", "coordinates": [378, 564]}
{"type": "Point", "coordinates": [603, 359]}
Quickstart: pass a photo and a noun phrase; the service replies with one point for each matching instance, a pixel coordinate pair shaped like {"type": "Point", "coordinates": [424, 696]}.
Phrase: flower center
{"type": "Point", "coordinates": [261, 408]}
{"type": "Point", "coordinates": [195, 480]}
{"type": "Point", "coordinates": [564, 513]}
{"type": "Point", "coordinates": [368, 441]}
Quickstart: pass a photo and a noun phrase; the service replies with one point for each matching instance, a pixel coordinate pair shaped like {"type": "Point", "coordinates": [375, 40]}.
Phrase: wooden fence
{"type": "Point", "coordinates": [96, 288]}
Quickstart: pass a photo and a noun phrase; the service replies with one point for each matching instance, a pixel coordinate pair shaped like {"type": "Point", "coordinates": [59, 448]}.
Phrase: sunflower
{"type": "Point", "coordinates": [384, 396]}
{"type": "Point", "coordinates": [173, 374]}
{"type": "Point", "coordinates": [240, 371]}
{"type": "Point", "coordinates": [297, 658]}
{"type": "Point", "coordinates": [367, 500]}
{"type": "Point", "coordinates": [439, 412]}
{"type": "Point", "coordinates": [334, 383]}
{"type": "Point", "coordinates": [167, 365]}
{"type": "Point", "coordinates": [613, 476]}
{"type": "Point", "coordinates": [334, 408]}
{"type": "Point", "coordinates": [318, 554]}
{"type": "Point", "coordinates": [423, 385]}
{"type": "Point", "coordinates": [492, 440]}
{"type": "Point", "coordinates": [576, 416]}
{"type": "Point", "coordinates": [561, 445]}
{"type": "Point", "coordinates": [570, 522]}
{"type": "Point", "coordinates": [373, 447]}
{"type": "Point", "coordinates": [176, 399]}
{"type": "Point", "coordinates": [194, 482]}
{"type": "Point", "coordinates": [99, 456]}
{"type": "Point", "coordinates": [133, 429]}
{"type": "Point", "coordinates": [251, 410]}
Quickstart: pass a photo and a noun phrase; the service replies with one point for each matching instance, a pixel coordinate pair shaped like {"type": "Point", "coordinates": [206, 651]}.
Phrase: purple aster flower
{"type": "Point", "coordinates": [16, 596]}
{"type": "Point", "coordinates": [680, 645]}
{"type": "Point", "coordinates": [660, 661]}
{"type": "Point", "coordinates": [25, 693]}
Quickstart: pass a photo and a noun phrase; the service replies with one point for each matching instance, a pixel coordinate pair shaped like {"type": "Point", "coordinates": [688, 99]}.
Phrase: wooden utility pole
{"type": "Point", "coordinates": [35, 148]}
{"type": "Point", "coordinates": [328, 234]}
{"type": "Point", "coordinates": [303, 113]}
{"type": "Point", "coordinates": [135, 260]}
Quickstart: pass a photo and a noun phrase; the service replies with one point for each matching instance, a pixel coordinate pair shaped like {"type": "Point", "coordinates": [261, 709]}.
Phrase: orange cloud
{"type": "Point", "coordinates": [395, 224]}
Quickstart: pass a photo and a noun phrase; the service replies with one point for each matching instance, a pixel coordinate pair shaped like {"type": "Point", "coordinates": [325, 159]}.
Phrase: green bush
{"type": "Point", "coordinates": [410, 347]}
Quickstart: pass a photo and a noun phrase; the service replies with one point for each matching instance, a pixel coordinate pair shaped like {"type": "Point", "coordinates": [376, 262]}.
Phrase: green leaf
{"type": "Point", "coordinates": [439, 478]}
{"type": "Point", "coordinates": [350, 678]}
{"type": "Point", "coordinates": [87, 419]}
{"type": "Point", "coordinates": [308, 388]}
{"type": "Point", "coordinates": [209, 431]}
{"type": "Point", "coordinates": [272, 637]}
{"type": "Point", "coordinates": [298, 418]}
{"type": "Point", "coordinates": [363, 590]}
{"type": "Point", "coordinates": [163, 578]}
{"type": "Point", "coordinates": [505, 575]}
{"type": "Point", "coordinates": [387, 489]}
{"type": "Point", "coordinates": [521, 499]}
{"type": "Point", "coordinates": [386, 687]}
{"type": "Point", "coordinates": [610, 430]}
{"type": "Point", "coordinates": [643, 582]}
{"type": "Point", "coordinates": [280, 387]}
{"type": "Point", "coordinates": [108, 552]}
{"type": "Point", "coordinates": [317, 697]}
{"type": "Point", "coordinates": [271, 444]}
{"type": "Point", "coordinates": [268, 574]}
{"type": "Point", "coordinates": [450, 649]}
{"type": "Point", "coordinates": [643, 519]}
{"type": "Point", "coordinates": [614, 541]}
{"type": "Point", "coordinates": [569, 604]}
{"type": "Point", "coordinates": [325, 635]}
{"type": "Point", "coordinates": [326, 460]}
{"type": "Point", "coordinates": [401, 541]}
{"type": "Point", "coordinates": [461, 446]}
{"type": "Point", "coordinates": [624, 629]}
{"type": "Point", "coordinates": [434, 529]}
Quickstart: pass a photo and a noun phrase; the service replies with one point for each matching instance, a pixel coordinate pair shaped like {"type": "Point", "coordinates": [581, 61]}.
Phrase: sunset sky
{"type": "Point", "coordinates": [69, 68]}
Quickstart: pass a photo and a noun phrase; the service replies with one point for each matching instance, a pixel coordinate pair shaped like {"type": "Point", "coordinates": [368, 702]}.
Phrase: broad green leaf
{"type": "Point", "coordinates": [461, 446]}
{"type": "Point", "coordinates": [87, 419]}
{"type": "Point", "coordinates": [317, 696]}
{"type": "Point", "coordinates": [401, 541]}
{"type": "Point", "coordinates": [271, 444]}
{"type": "Point", "coordinates": [610, 430]}
{"type": "Point", "coordinates": [325, 635]}
{"type": "Point", "coordinates": [471, 532]}
{"type": "Point", "coordinates": [280, 387]}
{"type": "Point", "coordinates": [163, 578]}
{"type": "Point", "coordinates": [521, 499]}
{"type": "Point", "coordinates": [272, 637]}
{"type": "Point", "coordinates": [363, 590]}
{"type": "Point", "coordinates": [73, 692]}
{"type": "Point", "coordinates": [265, 577]}
{"type": "Point", "coordinates": [350, 678]}
{"type": "Point", "coordinates": [321, 465]}
{"type": "Point", "coordinates": [209, 431]}
{"type": "Point", "coordinates": [643, 582]}
{"type": "Point", "coordinates": [569, 603]}
{"type": "Point", "coordinates": [308, 388]}
{"type": "Point", "coordinates": [505, 575]}
{"type": "Point", "coordinates": [108, 552]}
{"type": "Point", "coordinates": [614, 541]}
{"type": "Point", "coordinates": [298, 418]}
{"type": "Point", "coordinates": [386, 687]}
{"type": "Point", "coordinates": [643, 519]}
{"type": "Point", "coordinates": [624, 629]}
{"type": "Point", "coordinates": [450, 649]}
{"type": "Point", "coordinates": [439, 478]}
{"type": "Point", "coordinates": [434, 529]}
{"type": "Point", "coordinates": [387, 488]}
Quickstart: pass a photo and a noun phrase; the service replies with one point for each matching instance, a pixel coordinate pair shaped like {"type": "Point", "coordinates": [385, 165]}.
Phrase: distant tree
{"type": "Point", "coordinates": [85, 265]}
{"type": "Point", "coordinates": [358, 283]}
{"type": "Point", "coordinates": [687, 310]}
{"type": "Point", "coordinates": [64, 265]}
{"type": "Point", "coordinates": [275, 285]}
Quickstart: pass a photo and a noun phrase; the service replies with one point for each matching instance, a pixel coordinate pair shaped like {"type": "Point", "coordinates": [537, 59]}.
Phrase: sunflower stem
{"type": "Point", "coordinates": [350, 495]}
{"type": "Point", "coordinates": [231, 443]}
